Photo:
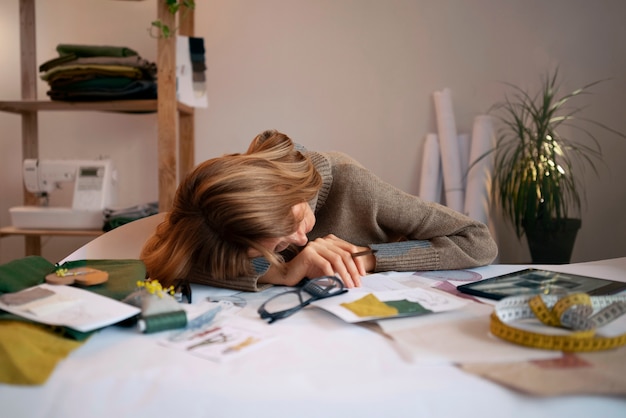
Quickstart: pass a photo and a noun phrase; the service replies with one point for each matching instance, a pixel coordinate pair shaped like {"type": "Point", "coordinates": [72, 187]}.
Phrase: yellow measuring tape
{"type": "Point", "coordinates": [577, 316]}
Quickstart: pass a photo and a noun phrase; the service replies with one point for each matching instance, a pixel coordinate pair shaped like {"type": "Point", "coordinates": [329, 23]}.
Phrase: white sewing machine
{"type": "Point", "coordinates": [95, 187]}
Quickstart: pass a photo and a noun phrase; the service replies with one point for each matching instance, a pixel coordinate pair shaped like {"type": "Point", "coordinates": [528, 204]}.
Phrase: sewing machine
{"type": "Point", "coordinates": [95, 187]}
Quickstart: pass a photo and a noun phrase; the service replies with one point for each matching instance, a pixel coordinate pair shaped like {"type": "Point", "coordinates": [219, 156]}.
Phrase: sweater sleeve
{"type": "Point", "coordinates": [436, 238]}
{"type": "Point", "coordinates": [408, 233]}
{"type": "Point", "coordinates": [246, 284]}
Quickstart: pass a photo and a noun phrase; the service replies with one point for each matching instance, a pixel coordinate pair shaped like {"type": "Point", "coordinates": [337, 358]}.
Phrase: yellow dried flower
{"type": "Point", "coordinates": [154, 288]}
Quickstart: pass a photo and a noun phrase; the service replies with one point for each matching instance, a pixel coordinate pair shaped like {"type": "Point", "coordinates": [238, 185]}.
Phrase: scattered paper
{"type": "Point", "coordinates": [364, 305]}
{"type": "Point", "coordinates": [426, 338]}
{"type": "Point", "coordinates": [73, 307]}
{"type": "Point", "coordinates": [219, 342]}
{"type": "Point", "coordinates": [596, 373]}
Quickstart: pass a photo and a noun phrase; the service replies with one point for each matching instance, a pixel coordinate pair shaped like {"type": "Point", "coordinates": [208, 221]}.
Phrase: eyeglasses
{"type": "Point", "coordinates": [182, 291]}
{"type": "Point", "coordinates": [285, 304]}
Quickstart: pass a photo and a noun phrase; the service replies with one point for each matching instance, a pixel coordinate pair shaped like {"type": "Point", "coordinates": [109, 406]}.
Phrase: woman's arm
{"type": "Point", "coordinates": [409, 233]}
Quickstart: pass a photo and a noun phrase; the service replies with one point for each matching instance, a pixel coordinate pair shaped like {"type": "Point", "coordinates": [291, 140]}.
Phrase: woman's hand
{"type": "Point", "coordinates": [329, 256]}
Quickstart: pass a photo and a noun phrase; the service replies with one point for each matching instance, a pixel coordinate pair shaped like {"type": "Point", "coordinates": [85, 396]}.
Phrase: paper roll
{"type": "Point", "coordinates": [449, 143]}
{"type": "Point", "coordinates": [479, 175]}
{"type": "Point", "coordinates": [465, 143]}
{"type": "Point", "coordinates": [431, 180]}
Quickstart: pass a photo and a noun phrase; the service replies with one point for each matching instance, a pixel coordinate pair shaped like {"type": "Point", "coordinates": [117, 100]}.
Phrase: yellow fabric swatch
{"type": "Point", "coordinates": [29, 352]}
{"type": "Point", "coordinates": [370, 305]}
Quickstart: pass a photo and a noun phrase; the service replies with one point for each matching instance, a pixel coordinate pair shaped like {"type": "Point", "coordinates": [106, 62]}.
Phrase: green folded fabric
{"type": "Point", "coordinates": [70, 72]}
{"type": "Point", "coordinates": [30, 271]}
{"type": "Point", "coordinates": [123, 276]}
{"type": "Point", "coordinates": [95, 50]}
{"type": "Point", "coordinates": [24, 272]}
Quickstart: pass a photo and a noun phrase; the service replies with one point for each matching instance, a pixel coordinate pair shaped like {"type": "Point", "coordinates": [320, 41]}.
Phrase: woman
{"type": "Point", "coordinates": [280, 213]}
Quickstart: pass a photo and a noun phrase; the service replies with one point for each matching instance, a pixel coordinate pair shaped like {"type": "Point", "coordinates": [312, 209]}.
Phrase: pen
{"type": "Point", "coordinates": [365, 252]}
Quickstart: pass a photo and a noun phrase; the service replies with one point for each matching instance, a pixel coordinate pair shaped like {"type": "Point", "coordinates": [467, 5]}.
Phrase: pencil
{"type": "Point", "coordinates": [365, 252]}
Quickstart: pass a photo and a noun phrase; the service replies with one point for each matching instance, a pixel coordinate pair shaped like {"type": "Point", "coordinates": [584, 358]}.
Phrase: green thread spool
{"type": "Point", "coordinates": [162, 322]}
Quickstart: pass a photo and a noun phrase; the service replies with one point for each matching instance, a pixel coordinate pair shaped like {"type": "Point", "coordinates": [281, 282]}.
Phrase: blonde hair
{"type": "Point", "coordinates": [226, 206]}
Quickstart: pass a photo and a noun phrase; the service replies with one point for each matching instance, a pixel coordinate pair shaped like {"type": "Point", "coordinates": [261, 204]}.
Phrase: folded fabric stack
{"type": "Point", "coordinates": [118, 217]}
{"type": "Point", "coordinates": [93, 73]}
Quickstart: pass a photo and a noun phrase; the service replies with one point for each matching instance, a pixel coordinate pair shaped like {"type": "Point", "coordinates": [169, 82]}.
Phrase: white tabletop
{"type": "Point", "coordinates": [317, 366]}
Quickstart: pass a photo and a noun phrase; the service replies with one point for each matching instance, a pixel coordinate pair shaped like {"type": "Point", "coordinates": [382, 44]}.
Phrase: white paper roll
{"type": "Point", "coordinates": [465, 143]}
{"type": "Point", "coordinates": [431, 179]}
{"type": "Point", "coordinates": [479, 175]}
{"type": "Point", "coordinates": [449, 143]}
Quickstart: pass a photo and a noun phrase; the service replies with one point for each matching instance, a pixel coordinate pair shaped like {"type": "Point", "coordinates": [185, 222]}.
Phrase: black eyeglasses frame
{"type": "Point", "coordinates": [310, 286]}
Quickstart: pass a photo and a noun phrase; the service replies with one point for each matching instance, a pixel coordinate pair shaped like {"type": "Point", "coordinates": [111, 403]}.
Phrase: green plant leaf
{"type": "Point", "coordinates": [173, 6]}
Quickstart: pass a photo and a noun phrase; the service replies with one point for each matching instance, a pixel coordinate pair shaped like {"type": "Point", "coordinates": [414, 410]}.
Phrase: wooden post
{"type": "Point", "coordinates": [186, 134]}
{"type": "Point", "coordinates": [167, 110]}
{"type": "Point", "coordinates": [28, 68]}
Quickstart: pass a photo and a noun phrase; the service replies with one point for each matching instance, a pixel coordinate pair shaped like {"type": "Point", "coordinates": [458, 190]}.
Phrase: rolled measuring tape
{"type": "Point", "coordinates": [162, 322]}
{"type": "Point", "coordinates": [572, 321]}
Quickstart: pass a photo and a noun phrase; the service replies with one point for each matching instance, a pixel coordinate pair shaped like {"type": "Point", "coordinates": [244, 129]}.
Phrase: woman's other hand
{"type": "Point", "coordinates": [330, 256]}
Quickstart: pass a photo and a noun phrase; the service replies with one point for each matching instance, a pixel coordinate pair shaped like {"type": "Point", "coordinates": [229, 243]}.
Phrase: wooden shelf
{"type": "Point", "coordinates": [11, 230]}
{"type": "Point", "coordinates": [26, 106]}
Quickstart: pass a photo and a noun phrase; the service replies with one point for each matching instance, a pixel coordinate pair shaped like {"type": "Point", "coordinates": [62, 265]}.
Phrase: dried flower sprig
{"type": "Point", "coordinates": [154, 288]}
{"type": "Point", "coordinates": [63, 272]}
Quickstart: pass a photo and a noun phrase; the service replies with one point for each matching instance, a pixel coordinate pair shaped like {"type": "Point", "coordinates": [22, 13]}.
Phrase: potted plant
{"type": "Point", "coordinates": [537, 168]}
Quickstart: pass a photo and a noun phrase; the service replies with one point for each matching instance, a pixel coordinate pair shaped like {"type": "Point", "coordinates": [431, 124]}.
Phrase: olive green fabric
{"type": "Point", "coordinates": [29, 353]}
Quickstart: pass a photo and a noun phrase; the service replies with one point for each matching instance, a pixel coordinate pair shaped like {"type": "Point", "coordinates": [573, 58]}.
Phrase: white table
{"type": "Point", "coordinates": [318, 366]}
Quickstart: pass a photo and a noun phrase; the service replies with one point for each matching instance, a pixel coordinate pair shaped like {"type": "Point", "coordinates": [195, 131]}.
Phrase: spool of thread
{"type": "Point", "coordinates": [162, 322]}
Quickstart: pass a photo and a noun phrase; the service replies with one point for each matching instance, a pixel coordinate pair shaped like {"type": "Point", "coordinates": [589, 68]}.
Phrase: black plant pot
{"type": "Point", "coordinates": [554, 244]}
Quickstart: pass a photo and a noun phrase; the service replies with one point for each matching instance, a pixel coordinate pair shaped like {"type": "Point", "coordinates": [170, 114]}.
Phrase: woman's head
{"type": "Point", "coordinates": [229, 208]}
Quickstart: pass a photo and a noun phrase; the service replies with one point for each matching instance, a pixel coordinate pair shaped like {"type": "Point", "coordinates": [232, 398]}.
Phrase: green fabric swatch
{"type": "Point", "coordinates": [407, 307]}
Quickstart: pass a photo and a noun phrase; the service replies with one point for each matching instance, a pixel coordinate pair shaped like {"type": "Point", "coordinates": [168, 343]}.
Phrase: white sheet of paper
{"type": "Point", "coordinates": [75, 308]}
{"type": "Point", "coordinates": [427, 339]}
{"type": "Point", "coordinates": [431, 299]}
{"type": "Point", "coordinates": [221, 340]}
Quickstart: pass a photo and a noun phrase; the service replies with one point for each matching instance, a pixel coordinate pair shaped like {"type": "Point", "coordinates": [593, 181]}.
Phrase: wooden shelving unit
{"type": "Point", "coordinates": [175, 121]}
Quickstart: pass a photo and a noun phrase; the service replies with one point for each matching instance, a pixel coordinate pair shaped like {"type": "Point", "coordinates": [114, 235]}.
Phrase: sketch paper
{"type": "Point", "coordinates": [74, 308]}
{"type": "Point", "coordinates": [220, 341]}
{"type": "Point", "coordinates": [430, 301]}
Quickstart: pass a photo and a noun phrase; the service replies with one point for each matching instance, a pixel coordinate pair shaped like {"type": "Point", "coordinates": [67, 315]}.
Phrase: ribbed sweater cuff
{"type": "Point", "coordinates": [406, 256]}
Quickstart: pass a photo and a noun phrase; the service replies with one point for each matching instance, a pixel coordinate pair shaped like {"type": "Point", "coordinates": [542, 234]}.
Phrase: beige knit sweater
{"type": "Point", "coordinates": [408, 233]}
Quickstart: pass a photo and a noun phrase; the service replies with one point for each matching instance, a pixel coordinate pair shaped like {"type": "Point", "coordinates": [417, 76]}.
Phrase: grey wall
{"type": "Point", "coordinates": [350, 75]}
